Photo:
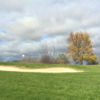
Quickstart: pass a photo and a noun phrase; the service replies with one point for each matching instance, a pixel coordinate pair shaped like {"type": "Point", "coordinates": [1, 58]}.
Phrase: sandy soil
{"type": "Point", "coordinates": [42, 70]}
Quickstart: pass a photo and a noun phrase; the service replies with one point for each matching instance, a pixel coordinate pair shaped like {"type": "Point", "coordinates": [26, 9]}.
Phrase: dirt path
{"type": "Point", "coordinates": [42, 70]}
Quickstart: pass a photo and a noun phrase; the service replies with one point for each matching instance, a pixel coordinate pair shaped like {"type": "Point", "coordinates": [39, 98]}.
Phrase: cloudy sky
{"type": "Point", "coordinates": [27, 25]}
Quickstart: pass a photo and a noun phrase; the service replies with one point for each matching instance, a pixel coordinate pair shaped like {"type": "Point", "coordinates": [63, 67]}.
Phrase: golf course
{"type": "Point", "coordinates": [50, 86]}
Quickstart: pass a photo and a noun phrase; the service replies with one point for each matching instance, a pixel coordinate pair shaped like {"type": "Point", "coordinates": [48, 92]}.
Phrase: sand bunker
{"type": "Point", "coordinates": [42, 70]}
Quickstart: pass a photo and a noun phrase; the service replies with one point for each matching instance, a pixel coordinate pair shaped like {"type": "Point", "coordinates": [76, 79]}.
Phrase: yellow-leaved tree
{"type": "Point", "coordinates": [61, 58]}
{"type": "Point", "coordinates": [80, 47]}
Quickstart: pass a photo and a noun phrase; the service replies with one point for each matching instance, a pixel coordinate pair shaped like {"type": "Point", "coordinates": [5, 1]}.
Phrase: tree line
{"type": "Point", "coordinates": [79, 49]}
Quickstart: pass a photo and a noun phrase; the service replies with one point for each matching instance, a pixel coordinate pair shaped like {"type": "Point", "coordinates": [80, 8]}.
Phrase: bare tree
{"type": "Point", "coordinates": [48, 53]}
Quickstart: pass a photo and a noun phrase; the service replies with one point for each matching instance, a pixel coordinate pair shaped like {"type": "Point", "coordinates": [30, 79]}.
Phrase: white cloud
{"type": "Point", "coordinates": [24, 28]}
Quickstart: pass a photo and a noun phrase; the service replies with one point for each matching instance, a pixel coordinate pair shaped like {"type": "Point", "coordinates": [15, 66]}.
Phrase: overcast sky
{"type": "Point", "coordinates": [27, 25]}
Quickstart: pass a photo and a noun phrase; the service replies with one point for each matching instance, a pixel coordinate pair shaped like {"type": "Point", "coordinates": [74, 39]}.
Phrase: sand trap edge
{"type": "Point", "coordinates": [40, 70]}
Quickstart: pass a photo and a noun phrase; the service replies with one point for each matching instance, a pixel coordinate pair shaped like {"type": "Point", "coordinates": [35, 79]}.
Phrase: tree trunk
{"type": "Point", "coordinates": [81, 61]}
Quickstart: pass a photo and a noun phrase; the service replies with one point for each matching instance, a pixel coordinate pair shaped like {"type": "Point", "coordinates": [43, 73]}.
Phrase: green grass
{"type": "Point", "coordinates": [46, 86]}
{"type": "Point", "coordinates": [37, 65]}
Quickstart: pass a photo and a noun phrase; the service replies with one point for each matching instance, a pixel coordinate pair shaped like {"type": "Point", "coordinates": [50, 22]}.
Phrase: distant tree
{"type": "Point", "coordinates": [38, 60]}
{"type": "Point", "coordinates": [30, 60]}
{"type": "Point", "coordinates": [80, 47]}
{"type": "Point", "coordinates": [15, 61]}
{"type": "Point", "coordinates": [92, 62]}
{"type": "Point", "coordinates": [61, 58]}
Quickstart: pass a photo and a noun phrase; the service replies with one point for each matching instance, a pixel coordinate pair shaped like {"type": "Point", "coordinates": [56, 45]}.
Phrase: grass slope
{"type": "Point", "coordinates": [43, 86]}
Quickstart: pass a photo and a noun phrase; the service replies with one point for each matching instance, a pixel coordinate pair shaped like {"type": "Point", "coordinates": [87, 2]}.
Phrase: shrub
{"type": "Point", "coordinates": [46, 58]}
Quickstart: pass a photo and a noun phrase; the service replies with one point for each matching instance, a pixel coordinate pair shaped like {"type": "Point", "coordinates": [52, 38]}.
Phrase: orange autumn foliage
{"type": "Point", "coordinates": [80, 47]}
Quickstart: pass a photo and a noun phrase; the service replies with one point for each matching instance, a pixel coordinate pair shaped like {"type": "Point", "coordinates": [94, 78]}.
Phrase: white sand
{"type": "Point", "coordinates": [42, 70]}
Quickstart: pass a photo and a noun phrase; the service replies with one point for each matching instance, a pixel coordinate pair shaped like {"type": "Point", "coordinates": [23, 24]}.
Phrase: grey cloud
{"type": "Point", "coordinates": [11, 6]}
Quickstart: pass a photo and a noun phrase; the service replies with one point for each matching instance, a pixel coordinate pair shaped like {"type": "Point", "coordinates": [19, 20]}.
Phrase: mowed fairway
{"type": "Point", "coordinates": [50, 86]}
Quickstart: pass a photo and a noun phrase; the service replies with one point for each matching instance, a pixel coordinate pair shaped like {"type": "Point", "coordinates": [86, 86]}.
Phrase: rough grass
{"type": "Point", "coordinates": [46, 86]}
